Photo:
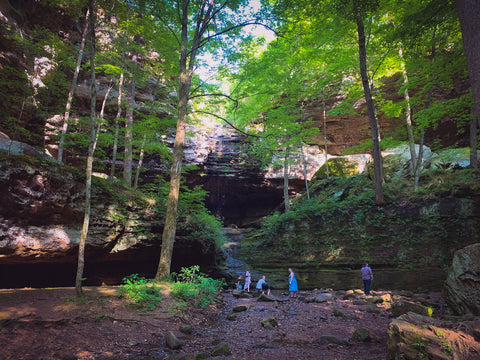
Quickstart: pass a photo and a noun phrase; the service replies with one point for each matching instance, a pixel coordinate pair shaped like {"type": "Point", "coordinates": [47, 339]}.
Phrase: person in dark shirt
{"type": "Point", "coordinates": [367, 277]}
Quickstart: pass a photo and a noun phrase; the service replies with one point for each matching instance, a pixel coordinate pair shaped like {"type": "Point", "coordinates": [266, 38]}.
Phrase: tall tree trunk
{"type": "Point", "coordinates": [144, 141]}
{"type": "Point", "coordinates": [408, 117]}
{"type": "Point", "coordinates": [474, 143]}
{"type": "Point", "coordinates": [105, 98]}
{"type": "Point", "coordinates": [91, 151]}
{"type": "Point", "coordinates": [117, 126]}
{"type": "Point", "coordinates": [170, 227]}
{"type": "Point", "coordinates": [377, 155]}
{"type": "Point", "coordinates": [286, 199]}
{"type": "Point", "coordinates": [305, 175]}
{"type": "Point", "coordinates": [128, 158]}
{"type": "Point", "coordinates": [469, 15]}
{"type": "Point", "coordinates": [325, 140]}
{"type": "Point", "coordinates": [140, 161]}
{"type": "Point", "coordinates": [187, 65]}
{"type": "Point", "coordinates": [419, 164]}
{"type": "Point", "coordinates": [68, 106]}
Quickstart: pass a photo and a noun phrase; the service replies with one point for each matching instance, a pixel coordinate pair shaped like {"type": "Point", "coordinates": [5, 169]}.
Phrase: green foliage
{"type": "Point", "coordinates": [344, 108]}
{"type": "Point", "coordinates": [365, 147]}
{"type": "Point", "coordinates": [204, 228]}
{"type": "Point", "coordinates": [140, 292]}
{"type": "Point", "coordinates": [342, 211]}
{"type": "Point", "coordinates": [193, 287]}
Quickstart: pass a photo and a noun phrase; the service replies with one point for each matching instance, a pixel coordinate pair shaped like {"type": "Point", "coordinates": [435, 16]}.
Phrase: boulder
{"type": "Point", "coordinates": [324, 297]}
{"type": "Point", "coordinates": [269, 322]}
{"type": "Point", "coordinates": [396, 161]}
{"type": "Point", "coordinates": [221, 349]}
{"type": "Point", "coordinates": [172, 341]}
{"type": "Point", "coordinates": [331, 339]}
{"type": "Point", "coordinates": [450, 159]}
{"type": "Point", "coordinates": [413, 336]}
{"type": "Point", "coordinates": [186, 328]}
{"type": "Point", "coordinates": [344, 166]}
{"type": "Point", "coordinates": [462, 287]}
{"type": "Point", "coordinates": [239, 308]}
{"type": "Point", "coordinates": [404, 306]}
{"type": "Point", "coordinates": [362, 334]}
{"type": "Point", "coordinates": [265, 297]}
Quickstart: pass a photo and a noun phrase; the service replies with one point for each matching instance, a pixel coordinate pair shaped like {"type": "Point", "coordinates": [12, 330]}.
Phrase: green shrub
{"type": "Point", "coordinates": [140, 292]}
{"type": "Point", "coordinates": [194, 287]}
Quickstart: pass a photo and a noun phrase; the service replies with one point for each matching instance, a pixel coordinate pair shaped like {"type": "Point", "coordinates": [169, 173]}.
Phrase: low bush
{"type": "Point", "coordinates": [140, 292]}
{"type": "Point", "coordinates": [193, 287]}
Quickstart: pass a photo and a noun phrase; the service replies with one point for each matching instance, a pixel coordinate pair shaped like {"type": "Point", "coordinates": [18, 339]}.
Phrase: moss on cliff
{"type": "Point", "coordinates": [342, 226]}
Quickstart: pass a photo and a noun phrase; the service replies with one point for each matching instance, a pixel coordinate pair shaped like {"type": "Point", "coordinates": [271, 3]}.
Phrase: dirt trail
{"type": "Point", "coordinates": [46, 324]}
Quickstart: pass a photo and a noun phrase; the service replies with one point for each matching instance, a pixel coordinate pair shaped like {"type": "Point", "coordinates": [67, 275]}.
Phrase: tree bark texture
{"type": "Point", "coordinates": [128, 159]}
{"type": "Point", "coordinates": [117, 128]}
{"type": "Point", "coordinates": [469, 15]}
{"type": "Point", "coordinates": [377, 156]}
{"type": "Point", "coordinates": [89, 168]}
{"type": "Point", "coordinates": [286, 198]}
{"type": "Point", "coordinates": [187, 64]}
{"type": "Point", "coordinates": [68, 106]}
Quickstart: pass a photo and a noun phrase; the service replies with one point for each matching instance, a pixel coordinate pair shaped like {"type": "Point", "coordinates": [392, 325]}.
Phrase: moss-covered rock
{"type": "Point", "coordinates": [404, 307]}
{"type": "Point", "coordinates": [344, 166]}
{"type": "Point", "coordinates": [413, 336]}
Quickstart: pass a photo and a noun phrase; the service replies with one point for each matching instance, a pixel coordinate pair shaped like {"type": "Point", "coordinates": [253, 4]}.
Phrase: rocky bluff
{"type": "Point", "coordinates": [42, 210]}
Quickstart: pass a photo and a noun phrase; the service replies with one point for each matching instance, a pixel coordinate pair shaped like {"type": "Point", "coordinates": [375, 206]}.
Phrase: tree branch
{"type": "Point", "coordinates": [216, 94]}
{"type": "Point", "coordinates": [228, 123]}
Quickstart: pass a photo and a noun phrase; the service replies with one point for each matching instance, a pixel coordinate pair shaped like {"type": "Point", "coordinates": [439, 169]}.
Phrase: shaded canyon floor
{"type": "Point", "coordinates": [47, 324]}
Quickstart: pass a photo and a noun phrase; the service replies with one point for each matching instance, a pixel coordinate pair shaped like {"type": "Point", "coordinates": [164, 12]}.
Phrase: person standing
{"type": "Point", "coordinates": [367, 277]}
{"type": "Point", "coordinates": [292, 283]}
{"type": "Point", "coordinates": [239, 286]}
{"type": "Point", "coordinates": [248, 280]}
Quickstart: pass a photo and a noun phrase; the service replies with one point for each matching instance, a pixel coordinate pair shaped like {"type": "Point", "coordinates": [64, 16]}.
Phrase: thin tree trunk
{"type": "Point", "coordinates": [419, 164]}
{"type": "Point", "coordinates": [144, 141]}
{"type": "Point", "coordinates": [324, 111]}
{"type": "Point", "coordinates": [377, 156]}
{"type": "Point", "coordinates": [105, 98]}
{"type": "Point", "coordinates": [128, 158]}
{"type": "Point", "coordinates": [68, 106]}
{"type": "Point", "coordinates": [89, 169]}
{"type": "Point", "coordinates": [117, 127]}
{"type": "Point", "coordinates": [140, 161]}
{"type": "Point", "coordinates": [305, 175]}
{"type": "Point", "coordinates": [408, 117]}
{"type": "Point", "coordinates": [418, 168]}
{"type": "Point", "coordinates": [474, 143]}
{"type": "Point", "coordinates": [286, 199]}
{"type": "Point", "coordinates": [469, 14]}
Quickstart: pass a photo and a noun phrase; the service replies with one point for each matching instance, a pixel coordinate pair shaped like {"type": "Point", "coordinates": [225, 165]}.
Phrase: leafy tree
{"type": "Point", "coordinates": [193, 26]}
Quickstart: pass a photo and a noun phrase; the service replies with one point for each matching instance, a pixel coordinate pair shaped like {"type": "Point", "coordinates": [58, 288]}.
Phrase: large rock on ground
{"type": "Point", "coordinates": [413, 336]}
{"type": "Point", "coordinates": [462, 288]}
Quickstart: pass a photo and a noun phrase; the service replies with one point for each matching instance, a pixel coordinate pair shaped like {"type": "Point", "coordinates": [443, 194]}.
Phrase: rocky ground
{"type": "Point", "coordinates": [50, 324]}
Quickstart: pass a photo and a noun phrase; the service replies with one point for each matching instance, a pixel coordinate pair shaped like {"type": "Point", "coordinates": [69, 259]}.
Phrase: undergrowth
{"type": "Point", "coordinates": [191, 287]}
{"type": "Point", "coordinates": [342, 212]}
{"type": "Point", "coordinates": [139, 292]}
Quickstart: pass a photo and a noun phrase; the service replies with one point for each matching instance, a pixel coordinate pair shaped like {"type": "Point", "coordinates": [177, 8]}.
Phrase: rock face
{"type": "Point", "coordinates": [41, 215]}
{"type": "Point", "coordinates": [239, 192]}
{"type": "Point", "coordinates": [462, 288]}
